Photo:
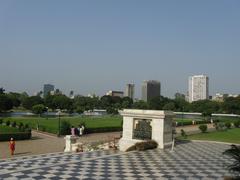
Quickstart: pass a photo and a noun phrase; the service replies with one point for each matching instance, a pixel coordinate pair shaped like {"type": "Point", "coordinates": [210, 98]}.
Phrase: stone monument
{"type": "Point", "coordinates": [141, 125]}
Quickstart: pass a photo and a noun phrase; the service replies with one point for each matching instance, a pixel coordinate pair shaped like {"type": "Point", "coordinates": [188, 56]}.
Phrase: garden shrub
{"type": "Point", "coordinates": [8, 123]}
{"type": "Point", "coordinates": [102, 129]}
{"type": "Point", "coordinates": [14, 124]}
{"type": "Point", "coordinates": [20, 126]}
{"type": "Point", "coordinates": [16, 136]}
{"type": "Point", "coordinates": [183, 133]}
{"type": "Point", "coordinates": [203, 128]}
{"type": "Point", "coordinates": [228, 125]}
{"type": "Point", "coordinates": [65, 128]}
{"type": "Point", "coordinates": [142, 146]}
{"type": "Point", "coordinates": [220, 126]}
{"type": "Point", "coordinates": [1, 121]}
{"type": "Point", "coordinates": [26, 126]}
{"type": "Point", "coordinates": [237, 124]}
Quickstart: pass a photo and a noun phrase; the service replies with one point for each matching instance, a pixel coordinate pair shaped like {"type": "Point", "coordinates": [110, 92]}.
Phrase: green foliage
{"type": "Point", "coordinates": [16, 136]}
{"type": "Point", "coordinates": [5, 103]}
{"type": "Point", "coordinates": [65, 128]}
{"type": "Point", "coordinates": [142, 146]}
{"type": "Point", "coordinates": [14, 124]}
{"type": "Point", "coordinates": [39, 109]}
{"type": "Point", "coordinates": [31, 101]}
{"type": "Point", "coordinates": [15, 98]}
{"type": "Point", "coordinates": [8, 123]}
{"type": "Point", "coordinates": [20, 126]}
{"type": "Point", "coordinates": [169, 106]}
{"type": "Point", "coordinates": [140, 105]}
{"type": "Point", "coordinates": [220, 126]}
{"type": "Point", "coordinates": [234, 153]}
{"type": "Point", "coordinates": [228, 125]}
{"type": "Point", "coordinates": [183, 133]}
{"type": "Point", "coordinates": [1, 121]}
{"type": "Point", "coordinates": [203, 128]}
{"type": "Point", "coordinates": [237, 123]}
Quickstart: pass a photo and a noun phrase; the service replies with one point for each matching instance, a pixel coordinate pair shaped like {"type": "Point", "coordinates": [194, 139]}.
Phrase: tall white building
{"type": "Point", "coordinates": [129, 92]}
{"type": "Point", "coordinates": [198, 88]}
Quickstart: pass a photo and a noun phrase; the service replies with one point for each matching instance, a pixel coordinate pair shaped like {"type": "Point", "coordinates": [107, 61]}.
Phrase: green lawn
{"type": "Point", "coordinates": [7, 129]}
{"type": "Point", "coordinates": [51, 124]}
{"type": "Point", "coordinates": [230, 136]}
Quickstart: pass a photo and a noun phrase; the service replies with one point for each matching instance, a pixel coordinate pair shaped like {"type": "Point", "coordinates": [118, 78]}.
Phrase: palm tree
{"type": "Point", "coordinates": [234, 153]}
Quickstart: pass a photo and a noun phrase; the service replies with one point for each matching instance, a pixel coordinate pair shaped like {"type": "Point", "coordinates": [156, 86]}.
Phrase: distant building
{"type": "Point", "coordinates": [115, 94]}
{"type": "Point", "coordinates": [150, 89]}
{"type": "Point", "coordinates": [198, 88]}
{"type": "Point", "coordinates": [47, 88]}
{"type": "Point", "coordinates": [129, 92]}
{"type": "Point", "coordinates": [220, 97]}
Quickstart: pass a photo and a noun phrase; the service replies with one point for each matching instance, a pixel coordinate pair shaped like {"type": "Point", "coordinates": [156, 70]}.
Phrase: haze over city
{"type": "Point", "coordinates": [93, 47]}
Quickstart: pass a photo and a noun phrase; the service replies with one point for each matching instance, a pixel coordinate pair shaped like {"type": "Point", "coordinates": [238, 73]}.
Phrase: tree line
{"type": "Point", "coordinates": [79, 104]}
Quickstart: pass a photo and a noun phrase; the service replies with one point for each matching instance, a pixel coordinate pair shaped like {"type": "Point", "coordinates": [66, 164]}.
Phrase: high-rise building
{"type": "Point", "coordinates": [47, 88]}
{"type": "Point", "coordinates": [150, 89]}
{"type": "Point", "coordinates": [130, 91]}
{"type": "Point", "coordinates": [198, 88]}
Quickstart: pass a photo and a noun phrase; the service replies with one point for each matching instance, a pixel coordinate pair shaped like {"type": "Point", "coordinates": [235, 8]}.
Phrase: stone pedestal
{"type": "Point", "coordinates": [161, 127]}
{"type": "Point", "coordinates": [70, 140]}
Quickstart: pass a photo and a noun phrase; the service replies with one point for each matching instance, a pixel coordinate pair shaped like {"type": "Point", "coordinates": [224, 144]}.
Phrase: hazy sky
{"type": "Point", "coordinates": [95, 46]}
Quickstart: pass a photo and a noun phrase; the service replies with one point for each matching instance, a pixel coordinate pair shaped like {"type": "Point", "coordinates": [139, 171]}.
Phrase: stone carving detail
{"type": "Point", "coordinates": [142, 129]}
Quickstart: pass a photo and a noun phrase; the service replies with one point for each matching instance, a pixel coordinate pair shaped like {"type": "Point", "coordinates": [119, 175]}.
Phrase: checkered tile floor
{"type": "Point", "coordinates": [188, 161]}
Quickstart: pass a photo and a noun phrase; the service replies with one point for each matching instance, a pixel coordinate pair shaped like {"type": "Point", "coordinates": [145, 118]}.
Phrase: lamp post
{"type": "Point", "coordinates": [59, 113]}
{"type": "Point", "coordinates": [182, 116]}
{"type": "Point", "coordinates": [47, 112]}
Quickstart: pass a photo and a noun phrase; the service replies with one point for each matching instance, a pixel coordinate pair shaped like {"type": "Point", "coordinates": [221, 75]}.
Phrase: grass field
{"type": "Point", "coordinates": [51, 124]}
{"type": "Point", "coordinates": [7, 129]}
{"type": "Point", "coordinates": [230, 136]}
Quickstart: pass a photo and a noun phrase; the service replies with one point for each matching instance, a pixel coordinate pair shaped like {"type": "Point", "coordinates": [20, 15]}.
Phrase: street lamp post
{"type": "Point", "coordinates": [59, 133]}
{"type": "Point", "coordinates": [47, 112]}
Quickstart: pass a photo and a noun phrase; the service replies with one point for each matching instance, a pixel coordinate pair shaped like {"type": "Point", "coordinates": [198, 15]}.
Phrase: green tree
{"type": "Point", "coordinates": [5, 103]}
{"type": "Point", "coordinates": [169, 106]}
{"type": "Point", "coordinates": [29, 102]}
{"type": "Point", "coordinates": [15, 97]}
{"type": "Point", "coordinates": [38, 109]}
{"type": "Point", "coordinates": [140, 105]}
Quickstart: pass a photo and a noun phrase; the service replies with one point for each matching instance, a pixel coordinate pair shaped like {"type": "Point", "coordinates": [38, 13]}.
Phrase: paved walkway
{"type": "Point", "coordinates": [44, 143]}
{"type": "Point", "coordinates": [188, 161]}
{"type": "Point", "coordinates": [40, 143]}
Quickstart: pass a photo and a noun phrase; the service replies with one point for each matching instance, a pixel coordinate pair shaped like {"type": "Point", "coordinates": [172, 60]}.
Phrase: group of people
{"type": "Point", "coordinates": [79, 131]}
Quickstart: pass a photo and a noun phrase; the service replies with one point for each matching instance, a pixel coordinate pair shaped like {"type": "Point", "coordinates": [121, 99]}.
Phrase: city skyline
{"type": "Point", "coordinates": [93, 47]}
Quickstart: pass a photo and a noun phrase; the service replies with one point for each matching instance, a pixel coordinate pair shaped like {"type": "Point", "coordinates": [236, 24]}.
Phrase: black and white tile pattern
{"type": "Point", "coordinates": [193, 160]}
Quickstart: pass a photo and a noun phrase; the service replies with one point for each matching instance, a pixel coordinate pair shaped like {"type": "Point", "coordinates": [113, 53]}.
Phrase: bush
{"type": "Point", "coordinates": [20, 126]}
{"type": "Point", "coordinates": [16, 136]}
{"type": "Point", "coordinates": [220, 126]}
{"type": "Point", "coordinates": [237, 124]}
{"type": "Point", "coordinates": [26, 126]}
{"type": "Point", "coordinates": [8, 123]}
{"type": "Point", "coordinates": [14, 124]}
{"type": "Point", "coordinates": [228, 125]}
{"type": "Point", "coordinates": [1, 121]}
{"type": "Point", "coordinates": [102, 129]}
{"type": "Point", "coordinates": [183, 134]}
{"type": "Point", "coordinates": [203, 128]}
{"type": "Point", "coordinates": [65, 128]}
{"type": "Point", "coordinates": [142, 146]}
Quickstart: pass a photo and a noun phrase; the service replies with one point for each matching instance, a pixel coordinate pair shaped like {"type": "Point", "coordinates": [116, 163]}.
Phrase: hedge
{"type": "Point", "coordinates": [16, 136]}
{"type": "Point", "coordinates": [102, 129]}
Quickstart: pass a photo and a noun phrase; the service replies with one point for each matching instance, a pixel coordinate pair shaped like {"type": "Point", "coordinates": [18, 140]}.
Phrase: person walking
{"type": "Point", "coordinates": [12, 146]}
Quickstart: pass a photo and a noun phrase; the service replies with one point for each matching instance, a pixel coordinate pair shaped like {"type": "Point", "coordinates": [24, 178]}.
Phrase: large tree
{"type": "Point", "coordinates": [5, 103]}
